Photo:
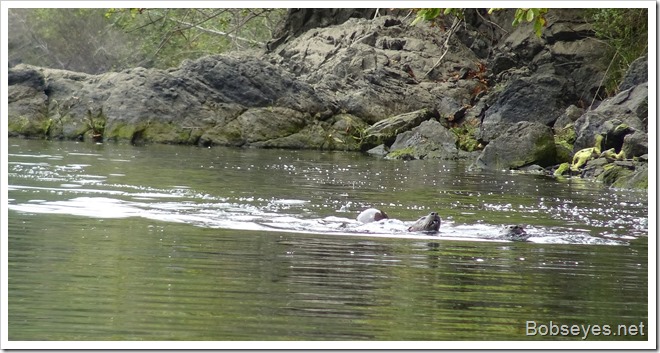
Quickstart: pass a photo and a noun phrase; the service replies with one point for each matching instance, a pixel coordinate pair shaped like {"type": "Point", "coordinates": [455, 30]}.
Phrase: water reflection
{"type": "Point", "coordinates": [176, 243]}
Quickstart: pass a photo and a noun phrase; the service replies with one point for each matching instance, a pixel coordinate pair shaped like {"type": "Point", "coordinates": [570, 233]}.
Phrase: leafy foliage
{"type": "Point", "coordinates": [530, 15]}
{"type": "Point", "coordinates": [626, 33]}
{"type": "Point", "coordinates": [431, 14]}
{"type": "Point", "coordinates": [100, 40]}
{"type": "Point", "coordinates": [172, 35]}
{"type": "Point", "coordinates": [465, 135]}
{"type": "Point", "coordinates": [537, 16]}
{"type": "Point", "coordinates": [73, 39]}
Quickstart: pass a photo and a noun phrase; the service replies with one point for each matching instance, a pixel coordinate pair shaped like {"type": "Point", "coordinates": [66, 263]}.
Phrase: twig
{"type": "Point", "coordinates": [491, 22]}
{"type": "Point", "coordinates": [454, 27]}
{"type": "Point", "coordinates": [603, 79]}
{"type": "Point", "coordinates": [213, 31]}
{"type": "Point", "coordinates": [407, 15]}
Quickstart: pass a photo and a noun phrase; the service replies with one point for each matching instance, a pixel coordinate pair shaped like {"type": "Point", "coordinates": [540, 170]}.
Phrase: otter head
{"type": "Point", "coordinates": [515, 233]}
{"type": "Point", "coordinates": [380, 215]}
{"type": "Point", "coordinates": [430, 223]}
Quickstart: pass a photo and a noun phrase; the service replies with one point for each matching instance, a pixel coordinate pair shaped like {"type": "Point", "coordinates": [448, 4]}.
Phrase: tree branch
{"type": "Point", "coordinates": [213, 31]}
{"type": "Point", "coordinates": [452, 30]}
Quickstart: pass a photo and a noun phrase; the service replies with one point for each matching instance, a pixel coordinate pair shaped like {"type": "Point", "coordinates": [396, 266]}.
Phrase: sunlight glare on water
{"type": "Point", "coordinates": [115, 242]}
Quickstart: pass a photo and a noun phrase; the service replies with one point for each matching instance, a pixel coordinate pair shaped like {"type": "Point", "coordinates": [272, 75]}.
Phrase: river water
{"type": "Point", "coordinates": [116, 242]}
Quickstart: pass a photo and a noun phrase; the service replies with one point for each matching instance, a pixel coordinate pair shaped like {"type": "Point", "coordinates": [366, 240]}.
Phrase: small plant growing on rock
{"type": "Point", "coordinates": [465, 135]}
{"type": "Point", "coordinates": [625, 31]}
{"type": "Point", "coordinates": [51, 117]}
{"type": "Point", "coordinates": [60, 114]}
{"type": "Point", "coordinates": [96, 123]}
{"type": "Point", "coordinates": [356, 129]}
{"type": "Point", "coordinates": [44, 117]}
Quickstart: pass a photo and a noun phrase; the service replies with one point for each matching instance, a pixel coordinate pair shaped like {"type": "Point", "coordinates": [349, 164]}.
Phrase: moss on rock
{"type": "Point", "coordinates": [638, 180]}
{"type": "Point", "coordinates": [545, 151]}
{"type": "Point", "coordinates": [120, 131]}
{"type": "Point", "coordinates": [613, 173]}
{"type": "Point", "coordinates": [563, 168]}
{"type": "Point", "coordinates": [566, 135]}
{"type": "Point", "coordinates": [622, 177]}
{"type": "Point", "coordinates": [167, 133]}
{"type": "Point", "coordinates": [564, 152]}
{"type": "Point", "coordinates": [403, 153]}
{"type": "Point", "coordinates": [23, 126]}
{"type": "Point", "coordinates": [385, 131]}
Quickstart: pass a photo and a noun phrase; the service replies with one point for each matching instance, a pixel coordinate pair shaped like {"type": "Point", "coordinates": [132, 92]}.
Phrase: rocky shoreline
{"type": "Point", "coordinates": [488, 93]}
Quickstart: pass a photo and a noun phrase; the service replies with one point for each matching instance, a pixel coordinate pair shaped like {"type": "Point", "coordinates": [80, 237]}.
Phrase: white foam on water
{"type": "Point", "coordinates": [94, 207]}
{"type": "Point", "coordinates": [238, 216]}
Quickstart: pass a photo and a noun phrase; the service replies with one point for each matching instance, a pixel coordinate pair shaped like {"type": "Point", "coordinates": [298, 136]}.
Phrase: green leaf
{"type": "Point", "coordinates": [517, 17]}
{"type": "Point", "coordinates": [426, 14]}
{"type": "Point", "coordinates": [431, 14]}
{"type": "Point", "coordinates": [530, 15]}
{"type": "Point", "coordinates": [538, 27]}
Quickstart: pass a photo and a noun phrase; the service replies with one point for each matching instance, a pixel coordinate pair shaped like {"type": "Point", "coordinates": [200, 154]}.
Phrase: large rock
{"type": "Point", "coordinates": [535, 79]}
{"type": "Point", "coordinates": [328, 82]}
{"type": "Point", "coordinates": [635, 144]}
{"type": "Point", "coordinates": [540, 98]}
{"type": "Point", "coordinates": [570, 115]}
{"type": "Point", "coordinates": [595, 167]}
{"type": "Point", "coordinates": [625, 177]}
{"type": "Point", "coordinates": [256, 125]}
{"type": "Point", "coordinates": [386, 131]}
{"type": "Point", "coordinates": [624, 111]}
{"type": "Point", "coordinates": [174, 106]}
{"type": "Point", "coordinates": [523, 144]}
{"type": "Point", "coordinates": [430, 140]}
{"type": "Point", "coordinates": [250, 82]}
{"type": "Point", "coordinates": [637, 73]}
{"type": "Point", "coordinates": [379, 68]}
{"type": "Point", "coordinates": [638, 179]}
{"type": "Point", "coordinates": [28, 102]}
{"type": "Point", "coordinates": [26, 76]}
{"type": "Point", "coordinates": [301, 20]}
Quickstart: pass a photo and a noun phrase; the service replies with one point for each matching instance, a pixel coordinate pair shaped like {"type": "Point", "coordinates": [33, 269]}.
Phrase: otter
{"type": "Point", "coordinates": [371, 215]}
{"type": "Point", "coordinates": [514, 233]}
{"type": "Point", "coordinates": [430, 223]}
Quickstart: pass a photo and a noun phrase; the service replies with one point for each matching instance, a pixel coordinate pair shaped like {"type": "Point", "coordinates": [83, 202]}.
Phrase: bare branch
{"type": "Point", "coordinates": [213, 31]}
{"type": "Point", "coordinates": [453, 29]}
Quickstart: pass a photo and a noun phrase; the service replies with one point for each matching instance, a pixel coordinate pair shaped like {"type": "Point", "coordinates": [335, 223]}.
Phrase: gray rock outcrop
{"type": "Point", "coordinates": [429, 140]}
{"type": "Point", "coordinates": [534, 144]}
{"type": "Point", "coordinates": [355, 82]}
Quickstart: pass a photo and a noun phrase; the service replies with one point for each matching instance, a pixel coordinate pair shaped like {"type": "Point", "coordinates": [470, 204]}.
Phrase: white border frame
{"type": "Point", "coordinates": [573, 344]}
